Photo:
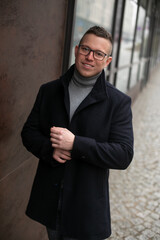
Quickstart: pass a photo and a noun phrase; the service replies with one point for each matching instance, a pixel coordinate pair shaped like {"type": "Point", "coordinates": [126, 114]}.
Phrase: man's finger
{"type": "Point", "coordinates": [65, 157]}
{"type": "Point", "coordinates": [56, 130]}
{"type": "Point", "coordinates": [55, 145]}
{"type": "Point", "coordinates": [54, 140]}
{"type": "Point", "coordinates": [58, 159]}
{"type": "Point", "coordinates": [56, 136]}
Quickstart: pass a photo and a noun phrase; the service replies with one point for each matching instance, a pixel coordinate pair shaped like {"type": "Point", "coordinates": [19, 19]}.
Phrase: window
{"type": "Point", "coordinates": [126, 44]}
{"type": "Point", "coordinates": [138, 43]}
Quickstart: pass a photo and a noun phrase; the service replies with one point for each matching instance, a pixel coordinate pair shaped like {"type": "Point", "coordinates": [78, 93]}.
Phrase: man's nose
{"type": "Point", "coordinates": [90, 56]}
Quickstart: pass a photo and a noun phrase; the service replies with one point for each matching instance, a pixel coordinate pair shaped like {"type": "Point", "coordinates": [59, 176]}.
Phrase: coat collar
{"type": "Point", "coordinates": [98, 93]}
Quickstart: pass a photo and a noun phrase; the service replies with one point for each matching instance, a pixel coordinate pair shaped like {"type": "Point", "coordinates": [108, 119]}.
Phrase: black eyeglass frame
{"type": "Point", "coordinates": [91, 50]}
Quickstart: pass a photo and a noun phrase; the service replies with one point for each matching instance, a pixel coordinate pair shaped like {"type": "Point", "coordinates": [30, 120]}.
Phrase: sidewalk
{"type": "Point", "coordinates": [135, 192]}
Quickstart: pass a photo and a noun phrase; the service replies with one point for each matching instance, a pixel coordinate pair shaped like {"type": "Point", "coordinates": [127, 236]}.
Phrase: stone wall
{"type": "Point", "coordinates": [31, 53]}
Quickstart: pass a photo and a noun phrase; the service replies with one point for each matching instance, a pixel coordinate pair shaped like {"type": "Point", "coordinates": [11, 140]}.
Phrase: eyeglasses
{"type": "Point", "coordinates": [84, 50]}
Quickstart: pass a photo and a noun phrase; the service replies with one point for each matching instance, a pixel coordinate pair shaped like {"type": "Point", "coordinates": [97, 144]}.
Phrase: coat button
{"type": "Point", "coordinates": [83, 157]}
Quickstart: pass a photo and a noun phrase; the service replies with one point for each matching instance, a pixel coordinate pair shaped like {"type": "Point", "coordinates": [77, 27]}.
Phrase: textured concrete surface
{"type": "Point", "coordinates": [31, 53]}
{"type": "Point", "coordinates": [135, 192]}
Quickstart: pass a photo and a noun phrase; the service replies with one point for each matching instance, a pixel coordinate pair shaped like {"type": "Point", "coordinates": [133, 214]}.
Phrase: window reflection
{"type": "Point", "coordinates": [138, 43]}
{"type": "Point", "coordinates": [126, 43]}
{"type": "Point", "coordinates": [133, 79]}
{"type": "Point", "coordinates": [128, 32]}
{"type": "Point", "coordinates": [144, 51]}
{"type": "Point", "coordinates": [139, 31]}
{"type": "Point", "coordinates": [122, 79]}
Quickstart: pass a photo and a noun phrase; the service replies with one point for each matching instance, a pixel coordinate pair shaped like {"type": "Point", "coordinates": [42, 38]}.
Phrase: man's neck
{"type": "Point", "coordinates": [84, 81]}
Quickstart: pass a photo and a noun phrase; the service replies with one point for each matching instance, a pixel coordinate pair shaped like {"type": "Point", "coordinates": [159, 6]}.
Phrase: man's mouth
{"type": "Point", "coordinates": [87, 65]}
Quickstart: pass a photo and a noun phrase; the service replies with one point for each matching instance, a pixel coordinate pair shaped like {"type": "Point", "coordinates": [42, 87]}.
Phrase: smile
{"type": "Point", "coordinates": [87, 65]}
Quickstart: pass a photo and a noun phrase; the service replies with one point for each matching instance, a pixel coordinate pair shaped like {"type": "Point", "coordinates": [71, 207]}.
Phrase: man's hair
{"type": "Point", "coordinates": [99, 32]}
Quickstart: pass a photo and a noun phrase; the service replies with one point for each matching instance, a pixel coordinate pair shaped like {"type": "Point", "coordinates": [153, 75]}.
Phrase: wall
{"type": "Point", "coordinates": [31, 52]}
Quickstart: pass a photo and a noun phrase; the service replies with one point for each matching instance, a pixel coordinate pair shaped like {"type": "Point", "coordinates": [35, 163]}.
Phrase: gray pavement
{"type": "Point", "coordinates": [135, 192]}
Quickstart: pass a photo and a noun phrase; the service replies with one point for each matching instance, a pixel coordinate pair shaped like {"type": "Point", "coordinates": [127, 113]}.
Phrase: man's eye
{"type": "Point", "coordinates": [85, 49]}
{"type": "Point", "coordinates": [100, 54]}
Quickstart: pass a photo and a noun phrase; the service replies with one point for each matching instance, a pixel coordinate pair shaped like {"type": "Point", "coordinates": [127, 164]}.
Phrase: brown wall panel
{"type": "Point", "coordinates": [14, 225]}
{"type": "Point", "coordinates": [31, 53]}
{"type": "Point", "coordinates": [32, 37]}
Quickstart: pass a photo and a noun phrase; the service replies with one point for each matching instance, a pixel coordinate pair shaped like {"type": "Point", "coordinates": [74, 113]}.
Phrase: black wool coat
{"type": "Point", "coordinates": [102, 125]}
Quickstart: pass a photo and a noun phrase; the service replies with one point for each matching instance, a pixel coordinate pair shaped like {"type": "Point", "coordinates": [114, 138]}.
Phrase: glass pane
{"type": "Point", "coordinates": [138, 43]}
{"type": "Point", "coordinates": [155, 44]}
{"type": "Point", "coordinates": [129, 22]}
{"type": "Point", "coordinates": [146, 38]}
{"type": "Point", "coordinates": [89, 13]}
{"type": "Point", "coordinates": [122, 77]}
{"type": "Point", "coordinates": [128, 32]}
{"type": "Point", "coordinates": [133, 79]}
{"type": "Point", "coordinates": [139, 31]}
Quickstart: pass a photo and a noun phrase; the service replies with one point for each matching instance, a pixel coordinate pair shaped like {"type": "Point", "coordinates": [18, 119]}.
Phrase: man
{"type": "Point", "coordinates": [79, 128]}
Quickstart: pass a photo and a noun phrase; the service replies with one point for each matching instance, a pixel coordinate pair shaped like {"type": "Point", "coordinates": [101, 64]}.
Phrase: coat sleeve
{"type": "Point", "coordinates": [117, 152]}
{"type": "Point", "coordinates": [33, 138]}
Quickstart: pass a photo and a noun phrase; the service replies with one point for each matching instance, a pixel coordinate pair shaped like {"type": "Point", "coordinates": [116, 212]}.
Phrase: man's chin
{"type": "Point", "coordinates": [86, 74]}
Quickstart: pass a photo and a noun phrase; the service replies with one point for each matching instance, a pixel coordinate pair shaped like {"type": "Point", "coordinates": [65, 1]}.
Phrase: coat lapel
{"type": "Point", "coordinates": [65, 82]}
{"type": "Point", "coordinates": [97, 94]}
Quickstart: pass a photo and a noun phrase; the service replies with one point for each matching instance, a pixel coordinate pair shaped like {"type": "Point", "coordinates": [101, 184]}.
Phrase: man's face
{"type": "Point", "coordinates": [88, 66]}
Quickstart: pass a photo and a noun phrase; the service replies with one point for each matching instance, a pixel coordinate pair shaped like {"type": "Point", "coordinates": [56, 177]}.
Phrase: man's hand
{"type": "Point", "coordinates": [61, 155]}
{"type": "Point", "coordinates": [62, 138]}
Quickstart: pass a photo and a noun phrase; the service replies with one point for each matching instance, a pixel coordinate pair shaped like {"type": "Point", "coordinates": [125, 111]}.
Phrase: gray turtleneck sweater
{"type": "Point", "coordinates": [79, 88]}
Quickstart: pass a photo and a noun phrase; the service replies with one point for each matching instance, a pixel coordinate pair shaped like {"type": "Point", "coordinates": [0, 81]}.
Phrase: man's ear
{"type": "Point", "coordinates": [109, 59]}
{"type": "Point", "coordinates": [76, 50]}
